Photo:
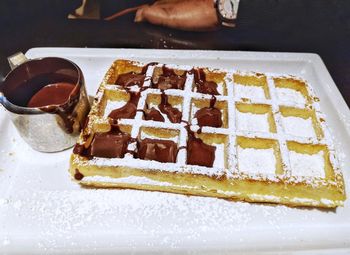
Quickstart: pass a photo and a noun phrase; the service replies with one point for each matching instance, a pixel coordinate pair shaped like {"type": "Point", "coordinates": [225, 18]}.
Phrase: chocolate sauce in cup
{"type": "Point", "coordinates": [57, 94]}
{"type": "Point", "coordinates": [47, 101]}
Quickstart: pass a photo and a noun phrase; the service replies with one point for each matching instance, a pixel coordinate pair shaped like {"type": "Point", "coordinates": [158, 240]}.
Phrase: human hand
{"type": "Point", "coordinates": [180, 14]}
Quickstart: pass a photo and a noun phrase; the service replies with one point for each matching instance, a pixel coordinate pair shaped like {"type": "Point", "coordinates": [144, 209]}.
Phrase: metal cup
{"type": "Point", "coordinates": [50, 128]}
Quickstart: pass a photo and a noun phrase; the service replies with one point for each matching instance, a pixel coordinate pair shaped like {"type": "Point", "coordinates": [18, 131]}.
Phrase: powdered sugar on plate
{"type": "Point", "coordinates": [42, 211]}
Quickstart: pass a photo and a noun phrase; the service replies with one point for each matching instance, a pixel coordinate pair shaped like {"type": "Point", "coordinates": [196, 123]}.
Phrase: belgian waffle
{"type": "Point", "coordinates": [199, 131]}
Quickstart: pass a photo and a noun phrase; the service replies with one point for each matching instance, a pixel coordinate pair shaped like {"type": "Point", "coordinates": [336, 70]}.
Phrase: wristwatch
{"type": "Point", "coordinates": [227, 11]}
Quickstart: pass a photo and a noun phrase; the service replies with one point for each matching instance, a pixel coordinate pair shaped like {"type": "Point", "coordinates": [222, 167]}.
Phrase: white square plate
{"type": "Point", "coordinates": [42, 210]}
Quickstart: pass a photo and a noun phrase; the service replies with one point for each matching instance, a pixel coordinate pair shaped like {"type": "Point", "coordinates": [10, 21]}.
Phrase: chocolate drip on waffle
{"type": "Point", "coordinates": [112, 144]}
{"type": "Point", "coordinates": [127, 111]}
{"type": "Point", "coordinates": [133, 78]}
{"type": "Point", "coordinates": [153, 114]}
{"type": "Point", "coordinates": [82, 150]}
{"type": "Point", "coordinates": [198, 152]}
{"type": "Point", "coordinates": [156, 149]}
{"type": "Point", "coordinates": [170, 80]}
{"type": "Point", "coordinates": [130, 79]}
{"type": "Point", "coordinates": [78, 176]}
{"type": "Point", "coordinates": [173, 113]}
{"type": "Point", "coordinates": [209, 116]}
{"type": "Point", "coordinates": [204, 86]}
{"type": "Point", "coordinates": [127, 80]}
{"type": "Point", "coordinates": [145, 67]}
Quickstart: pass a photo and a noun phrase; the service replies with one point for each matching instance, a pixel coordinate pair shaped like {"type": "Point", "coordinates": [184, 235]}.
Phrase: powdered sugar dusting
{"type": "Point", "coordinates": [257, 164]}
{"type": "Point", "coordinates": [58, 217]}
{"type": "Point", "coordinates": [249, 91]}
{"type": "Point", "coordinates": [290, 95]}
{"type": "Point", "coordinates": [252, 122]}
{"type": "Point", "coordinates": [298, 126]}
{"type": "Point", "coordinates": [130, 180]}
{"type": "Point", "coordinates": [307, 165]}
{"type": "Point", "coordinates": [144, 135]}
{"type": "Point", "coordinates": [69, 219]}
{"type": "Point", "coordinates": [220, 88]}
{"type": "Point", "coordinates": [261, 161]}
{"type": "Point", "coordinates": [219, 161]}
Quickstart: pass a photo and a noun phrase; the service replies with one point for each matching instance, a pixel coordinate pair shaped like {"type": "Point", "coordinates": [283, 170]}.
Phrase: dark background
{"type": "Point", "coordinates": [316, 26]}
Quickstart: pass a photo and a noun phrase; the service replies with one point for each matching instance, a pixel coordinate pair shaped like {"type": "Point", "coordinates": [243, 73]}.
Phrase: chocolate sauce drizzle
{"type": "Point", "coordinates": [170, 80]}
{"type": "Point", "coordinates": [212, 101]}
{"type": "Point", "coordinates": [82, 150]}
{"type": "Point", "coordinates": [173, 114]}
{"type": "Point", "coordinates": [152, 114]}
{"type": "Point", "coordinates": [128, 111]}
{"type": "Point", "coordinates": [114, 144]}
{"type": "Point", "coordinates": [204, 86]}
{"type": "Point", "coordinates": [209, 116]}
{"type": "Point", "coordinates": [156, 149]}
{"type": "Point", "coordinates": [111, 144]}
{"type": "Point", "coordinates": [198, 152]}
{"type": "Point", "coordinates": [133, 78]}
{"type": "Point", "coordinates": [130, 79]}
{"type": "Point", "coordinates": [145, 67]}
{"type": "Point", "coordinates": [78, 176]}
